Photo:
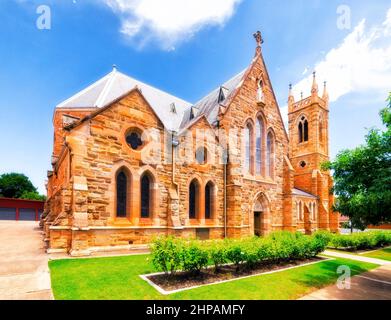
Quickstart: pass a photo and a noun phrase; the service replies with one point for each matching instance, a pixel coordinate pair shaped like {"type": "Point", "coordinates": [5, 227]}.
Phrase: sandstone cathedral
{"type": "Point", "coordinates": [131, 162]}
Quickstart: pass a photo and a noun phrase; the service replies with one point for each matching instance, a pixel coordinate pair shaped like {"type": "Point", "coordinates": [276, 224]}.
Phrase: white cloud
{"type": "Point", "coordinates": [170, 21]}
{"type": "Point", "coordinates": [361, 63]}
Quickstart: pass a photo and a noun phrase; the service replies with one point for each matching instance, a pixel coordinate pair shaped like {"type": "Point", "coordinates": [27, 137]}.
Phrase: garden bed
{"type": "Point", "coordinates": [180, 281]}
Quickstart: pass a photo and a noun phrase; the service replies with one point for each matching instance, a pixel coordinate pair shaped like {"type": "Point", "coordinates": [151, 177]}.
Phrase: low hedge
{"type": "Point", "coordinates": [361, 240]}
{"type": "Point", "coordinates": [172, 254]}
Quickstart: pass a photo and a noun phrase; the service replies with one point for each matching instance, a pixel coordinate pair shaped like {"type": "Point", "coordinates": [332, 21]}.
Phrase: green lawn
{"type": "Point", "coordinates": [116, 278]}
{"type": "Point", "coordinates": [384, 254]}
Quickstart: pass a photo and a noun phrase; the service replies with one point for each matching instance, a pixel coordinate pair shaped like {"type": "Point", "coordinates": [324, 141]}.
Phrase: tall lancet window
{"type": "Point", "coordinates": [258, 146]}
{"type": "Point", "coordinates": [193, 199]}
{"type": "Point", "coordinates": [248, 146]}
{"type": "Point", "coordinates": [270, 156]}
{"type": "Point", "coordinates": [145, 196]}
{"type": "Point", "coordinates": [122, 197]}
{"type": "Point", "coordinates": [209, 200]}
{"type": "Point", "coordinates": [303, 130]}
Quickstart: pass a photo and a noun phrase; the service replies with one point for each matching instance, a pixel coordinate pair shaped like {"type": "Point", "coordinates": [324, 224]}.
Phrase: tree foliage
{"type": "Point", "coordinates": [19, 186]}
{"type": "Point", "coordinates": [362, 177]}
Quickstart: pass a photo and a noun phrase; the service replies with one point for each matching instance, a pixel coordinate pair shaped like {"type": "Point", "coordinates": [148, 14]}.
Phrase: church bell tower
{"type": "Point", "coordinates": [309, 149]}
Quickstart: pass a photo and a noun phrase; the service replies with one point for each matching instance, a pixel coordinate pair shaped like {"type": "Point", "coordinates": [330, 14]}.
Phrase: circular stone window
{"type": "Point", "coordinates": [133, 139]}
{"type": "Point", "coordinates": [303, 164]}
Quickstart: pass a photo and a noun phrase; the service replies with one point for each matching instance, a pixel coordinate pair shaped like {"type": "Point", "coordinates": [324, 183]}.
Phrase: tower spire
{"type": "Point", "coordinates": [259, 39]}
{"type": "Point", "coordinates": [291, 98]}
{"type": "Point", "coordinates": [314, 89]}
{"type": "Point", "coordinates": [325, 92]}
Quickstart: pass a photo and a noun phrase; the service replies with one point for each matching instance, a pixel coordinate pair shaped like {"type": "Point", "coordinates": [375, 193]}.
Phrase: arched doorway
{"type": "Point", "coordinates": [261, 216]}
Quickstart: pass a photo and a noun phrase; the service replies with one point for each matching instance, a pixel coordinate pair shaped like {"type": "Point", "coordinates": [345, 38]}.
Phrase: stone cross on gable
{"type": "Point", "coordinates": [258, 38]}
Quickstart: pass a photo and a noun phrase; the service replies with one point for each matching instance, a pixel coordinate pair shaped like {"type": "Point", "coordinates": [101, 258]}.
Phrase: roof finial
{"type": "Point", "coordinates": [301, 95]}
{"type": "Point", "coordinates": [115, 67]}
{"type": "Point", "coordinates": [314, 89]}
{"type": "Point", "coordinates": [259, 39]}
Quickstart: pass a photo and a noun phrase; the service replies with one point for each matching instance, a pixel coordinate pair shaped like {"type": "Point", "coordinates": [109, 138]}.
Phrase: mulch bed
{"type": "Point", "coordinates": [182, 280]}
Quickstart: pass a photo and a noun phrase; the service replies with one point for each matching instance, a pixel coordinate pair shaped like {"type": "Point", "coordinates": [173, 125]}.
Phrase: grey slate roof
{"type": "Point", "coordinates": [298, 192]}
{"type": "Point", "coordinates": [210, 104]}
{"type": "Point", "coordinates": [116, 84]}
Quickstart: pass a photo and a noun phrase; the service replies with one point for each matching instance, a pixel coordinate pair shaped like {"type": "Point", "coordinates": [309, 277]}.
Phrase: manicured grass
{"type": "Point", "coordinates": [384, 254]}
{"type": "Point", "coordinates": [117, 278]}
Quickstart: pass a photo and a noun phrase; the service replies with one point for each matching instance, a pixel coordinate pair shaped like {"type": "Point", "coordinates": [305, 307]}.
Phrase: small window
{"type": "Point", "coordinates": [192, 115]}
{"type": "Point", "coordinates": [303, 164]}
{"type": "Point", "coordinates": [134, 140]}
{"type": "Point", "coordinates": [260, 95]}
{"type": "Point", "coordinates": [201, 155]}
{"type": "Point", "coordinates": [172, 108]}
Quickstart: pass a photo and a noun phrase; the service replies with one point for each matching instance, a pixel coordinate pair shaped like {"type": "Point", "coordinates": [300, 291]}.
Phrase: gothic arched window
{"type": "Point", "coordinates": [270, 155]}
{"type": "Point", "coordinates": [146, 196]}
{"type": "Point", "coordinates": [260, 95]}
{"type": "Point", "coordinates": [193, 199]}
{"type": "Point", "coordinates": [122, 194]}
{"type": "Point", "coordinates": [258, 146]}
{"type": "Point", "coordinates": [209, 200]}
{"type": "Point", "coordinates": [248, 132]}
{"type": "Point", "coordinates": [303, 130]}
{"type": "Point", "coordinates": [301, 209]}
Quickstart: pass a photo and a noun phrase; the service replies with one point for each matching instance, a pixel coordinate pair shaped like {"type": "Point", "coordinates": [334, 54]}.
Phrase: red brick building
{"type": "Point", "coordinates": [131, 162]}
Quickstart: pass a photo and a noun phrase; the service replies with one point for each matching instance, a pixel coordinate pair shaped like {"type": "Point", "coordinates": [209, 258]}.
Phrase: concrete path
{"type": "Point", "coordinates": [24, 273]}
{"type": "Point", "coordinates": [372, 285]}
{"type": "Point", "coordinates": [356, 257]}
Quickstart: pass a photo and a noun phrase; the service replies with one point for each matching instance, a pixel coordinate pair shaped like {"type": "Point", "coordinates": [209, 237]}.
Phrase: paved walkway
{"type": "Point", "coordinates": [24, 273]}
{"type": "Point", "coordinates": [356, 257]}
{"type": "Point", "coordinates": [372, 285]}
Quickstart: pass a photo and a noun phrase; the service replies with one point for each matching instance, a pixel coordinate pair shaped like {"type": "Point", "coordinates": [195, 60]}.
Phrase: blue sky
{"type": "Point", "coordinates": [186, 50]}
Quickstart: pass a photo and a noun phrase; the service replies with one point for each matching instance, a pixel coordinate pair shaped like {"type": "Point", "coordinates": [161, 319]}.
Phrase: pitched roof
{"type": "Point", "coordinates": [298, 192]}
{"type": "Point", "coordinates": [174, 112]}
{"type": "Point", "coordinates": [116, 84]}
{"type": "Point", "coordinates": [209, 105]}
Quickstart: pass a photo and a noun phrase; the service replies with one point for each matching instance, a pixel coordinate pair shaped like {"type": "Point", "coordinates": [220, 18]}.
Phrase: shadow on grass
{"type": "Point", "coordinates": [328, 275]}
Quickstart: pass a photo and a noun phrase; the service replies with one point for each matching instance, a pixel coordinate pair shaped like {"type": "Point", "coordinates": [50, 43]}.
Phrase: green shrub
{"type": "Point", "coordinates": [250, 254]}
{"type": "Point", "coordinates": [166, 254]}
{"type": "Point", "coordinates": [324, 236]}
{"type": "Point", "coordinates": [217, 251]}
{"type": "Point", "coordinates": [171, 255]}
{"type": "Point", "coordinates": [361, 241]}
{"type": "Point", "coordinates": [235, 253]}
{"type": "Point", "coordinates": [194, 257]}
